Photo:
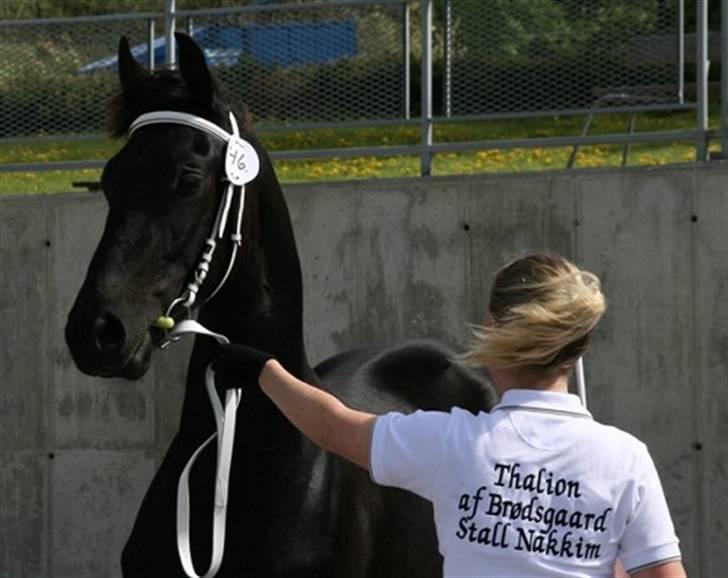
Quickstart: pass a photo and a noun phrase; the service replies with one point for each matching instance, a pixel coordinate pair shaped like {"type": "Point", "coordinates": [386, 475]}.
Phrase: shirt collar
{"type": "Point", "coordinates": [548, 401]}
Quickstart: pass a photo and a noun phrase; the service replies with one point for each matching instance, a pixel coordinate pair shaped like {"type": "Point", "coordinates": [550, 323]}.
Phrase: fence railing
{"type": "Point", "coordinates": [367, 63]}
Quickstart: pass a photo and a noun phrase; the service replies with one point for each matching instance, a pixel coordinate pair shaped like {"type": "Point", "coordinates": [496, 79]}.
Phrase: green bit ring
{"type": "Point", "coordinates": [164, 322]}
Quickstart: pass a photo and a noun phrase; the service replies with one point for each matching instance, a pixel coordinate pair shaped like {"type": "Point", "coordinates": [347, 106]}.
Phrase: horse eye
{"type": "Point", "coordinates": [188, 185]}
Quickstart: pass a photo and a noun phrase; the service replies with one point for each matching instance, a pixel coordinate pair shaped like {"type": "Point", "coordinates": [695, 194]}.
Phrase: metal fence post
{"type": "Point", "coordinates": [406, 52]}
{"type": "Point", "coordinates": [681, 51]}
{"type": "Point", "coordinates": [724, 79]}
{"type": "Point", "coordinates": [169, 23]}
{"type": "Point", "coordinates": [150, 43]}
{"type": "Point", "coordinates": [426, 89]}
{"type": "Point", "coordinates": [447, 72]}
{"type": "Point", "coordinates": [701, 79]}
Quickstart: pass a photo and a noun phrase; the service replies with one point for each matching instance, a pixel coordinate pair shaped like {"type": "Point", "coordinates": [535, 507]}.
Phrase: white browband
{"type": "Point", "coordinates": [174, 117]}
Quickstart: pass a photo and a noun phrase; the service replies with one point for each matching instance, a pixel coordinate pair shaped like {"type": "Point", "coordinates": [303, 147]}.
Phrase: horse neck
{"type": "Point", "coordinates": [261, 304]}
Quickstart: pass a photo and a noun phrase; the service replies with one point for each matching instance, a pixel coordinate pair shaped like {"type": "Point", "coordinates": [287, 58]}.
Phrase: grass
{"type": "Point", "coordinates": [483, 161]}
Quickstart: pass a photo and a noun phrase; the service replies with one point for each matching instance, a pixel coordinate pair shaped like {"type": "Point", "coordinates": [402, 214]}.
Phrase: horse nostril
{"type": "Point", "coordinates": [109, 332]}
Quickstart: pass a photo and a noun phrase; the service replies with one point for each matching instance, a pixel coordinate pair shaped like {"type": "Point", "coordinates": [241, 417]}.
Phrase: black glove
{"type": "Point", "coordinates": [238, 365]}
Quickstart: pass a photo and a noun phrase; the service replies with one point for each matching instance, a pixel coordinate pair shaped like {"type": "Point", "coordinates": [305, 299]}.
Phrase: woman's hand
{"type": "Point", "coordinates": [238, 365]}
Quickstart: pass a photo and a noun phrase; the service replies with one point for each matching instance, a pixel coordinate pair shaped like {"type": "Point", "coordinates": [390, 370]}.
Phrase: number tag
{"type": "Point", "coordinates": [241, 162]}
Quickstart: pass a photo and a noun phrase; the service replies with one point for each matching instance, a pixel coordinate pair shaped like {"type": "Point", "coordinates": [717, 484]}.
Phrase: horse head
{"type": "Point", "coordinates": [163, 189]}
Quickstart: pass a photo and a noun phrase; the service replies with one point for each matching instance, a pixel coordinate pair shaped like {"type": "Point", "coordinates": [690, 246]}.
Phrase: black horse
{"type": "Point", "coordinates": [294, 511]}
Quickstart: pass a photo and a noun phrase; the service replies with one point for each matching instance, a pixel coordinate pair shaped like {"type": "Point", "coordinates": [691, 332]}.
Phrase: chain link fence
{"type": "Point", "coordinates": [290, 64]}
{"type": "Point", "coordinates": [48, 84]}
{"type": "Point", "coordinates": [329, 63]}
{"type": "Point", "coordinates": [519, 57]}
{"type": "Point", "coordinates": [309, 63]}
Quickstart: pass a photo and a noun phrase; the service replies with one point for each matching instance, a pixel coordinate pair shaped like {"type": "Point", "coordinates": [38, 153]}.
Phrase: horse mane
{"type": "Point", "coordinates": [166, 90]}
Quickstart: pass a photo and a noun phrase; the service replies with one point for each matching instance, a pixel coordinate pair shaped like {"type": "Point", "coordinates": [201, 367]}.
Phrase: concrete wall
{"type": "Point", "coordinates": [383, 261]}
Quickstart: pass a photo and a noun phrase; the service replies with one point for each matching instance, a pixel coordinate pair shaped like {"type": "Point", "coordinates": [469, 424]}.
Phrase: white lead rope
{"type": "Point", "coordinates": [225, 417]}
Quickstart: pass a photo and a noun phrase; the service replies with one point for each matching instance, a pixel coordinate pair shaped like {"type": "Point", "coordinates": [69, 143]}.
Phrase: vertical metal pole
{"type": "Point", "coordinates": [407, 51]}
{"type": "Point", "coordinates": [581, 381]}
{"type": "Point", "coordinates": [169, 23]}
{"type": "Point", "coordinates": [703, 65]}
{"type": "Point", "coordinates": [190, 25]}
{"type": "Point", "coordinates": [628, 146]}
{"type": "Point", "coordinates": [724, 78]}
{"type": "Point", "coordinates": [584, 132]}
{"type": "Point", "coordinates": [150, 44]}
{"type": "Point", "coordinates": [447, 80]}
{"type": "Point", "coordinates": [426, 88]}
{"type": "Point", "coordinates": [681, 51]}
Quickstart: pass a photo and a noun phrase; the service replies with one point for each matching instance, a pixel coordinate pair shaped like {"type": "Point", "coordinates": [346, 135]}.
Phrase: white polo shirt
{"type": "Point", "coordinates": [534, 488]}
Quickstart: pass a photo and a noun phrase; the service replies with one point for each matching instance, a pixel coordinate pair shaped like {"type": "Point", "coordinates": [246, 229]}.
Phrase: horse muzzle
{"type": "Point", "coordinates": [101, 344]}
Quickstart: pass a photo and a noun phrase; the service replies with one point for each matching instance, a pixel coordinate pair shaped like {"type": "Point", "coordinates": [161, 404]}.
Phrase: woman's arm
{"type": "Point", "coordinates": [319, 415]}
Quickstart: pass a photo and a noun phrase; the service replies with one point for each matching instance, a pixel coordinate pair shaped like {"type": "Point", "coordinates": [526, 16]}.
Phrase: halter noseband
{"type": "Point", "coordinates": [241, 166]}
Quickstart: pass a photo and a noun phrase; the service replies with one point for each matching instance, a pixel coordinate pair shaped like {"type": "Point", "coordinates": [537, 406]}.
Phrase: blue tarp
{"type": "Point", "coordinates": [278, 45]}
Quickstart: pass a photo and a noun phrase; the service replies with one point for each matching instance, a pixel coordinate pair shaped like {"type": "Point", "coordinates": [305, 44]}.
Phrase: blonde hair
{"type": "Point", "coordinates": [542, 311]}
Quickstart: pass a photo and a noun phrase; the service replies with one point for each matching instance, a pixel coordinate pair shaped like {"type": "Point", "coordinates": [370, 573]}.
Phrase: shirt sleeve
{"type": "Point", "coordinates": [649, 537]}
{"type": "Point", "coordinates": [407, 450]}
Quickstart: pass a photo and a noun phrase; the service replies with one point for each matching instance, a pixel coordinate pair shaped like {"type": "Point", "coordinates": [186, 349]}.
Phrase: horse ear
{"type": "Point", "coordinates": [193, 67]}
{"type": "Point", "coordinates": [129, 68]}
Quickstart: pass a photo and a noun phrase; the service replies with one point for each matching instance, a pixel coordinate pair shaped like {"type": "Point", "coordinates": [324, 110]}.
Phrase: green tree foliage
{"type": "Point", "coordinates": [506, 16]}
{"type": "Point", "coordinates": [520, 30]}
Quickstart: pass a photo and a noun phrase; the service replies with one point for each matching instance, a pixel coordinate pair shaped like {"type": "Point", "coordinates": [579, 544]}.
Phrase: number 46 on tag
{"type": "Point", "coordinates": [241, 161]}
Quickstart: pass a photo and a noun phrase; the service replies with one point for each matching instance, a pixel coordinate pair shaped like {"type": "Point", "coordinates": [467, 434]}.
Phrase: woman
{"type": "Point", "coordinates": [536, 487]}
